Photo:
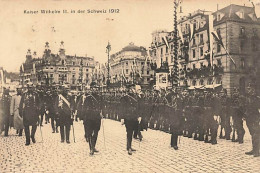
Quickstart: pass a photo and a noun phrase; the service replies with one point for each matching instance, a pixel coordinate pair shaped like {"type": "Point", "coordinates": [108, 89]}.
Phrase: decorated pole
{"type": "Point", "coordinates": [108, 49]}
{"type": "Point", "coordinates": [175, 77]}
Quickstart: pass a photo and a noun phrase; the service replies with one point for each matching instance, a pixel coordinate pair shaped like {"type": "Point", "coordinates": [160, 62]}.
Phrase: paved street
{"type": "Point", "coordinates": [153, 153]}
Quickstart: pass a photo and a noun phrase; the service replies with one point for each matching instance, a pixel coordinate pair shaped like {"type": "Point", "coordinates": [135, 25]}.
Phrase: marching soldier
{"type": "Point", "coordinates": [252, 117]}
{"type": "Point", "coordinates": [6, 117]}
{"type": "Point", "coordinates": [14, 111]}
{"type": "Point", "coordinates": [50, 109]}
{"type": "Point", "coordinates": [90, 107]}
{"type": "Point", "coordinates": [63, 113]}
{"type": "Point", "coordinates": [29, 110]}
{"type": "Point", "coordinates": [129, 113]}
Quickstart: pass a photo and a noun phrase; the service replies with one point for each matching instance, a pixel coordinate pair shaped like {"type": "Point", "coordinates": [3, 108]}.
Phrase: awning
{"type": "Point", "coordinates": [213, 86]}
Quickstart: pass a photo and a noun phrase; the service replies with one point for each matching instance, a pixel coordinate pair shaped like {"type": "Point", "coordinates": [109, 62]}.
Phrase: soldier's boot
{"type": "Point", "coordinates": [221, 134]}
{"type": "Point", "coordinates": [249, 152]}
{"type": "Point", "coordinates": [20, 132]}
{"type": "Point", "coordinates": [195, 136]}
{"type": "Point", "coordinates": [90, 141]}
{"type": "Point", "coordinates": [234, 136]}
{"type": "Point", "coordinates": [33, 133]}
{"type": "Point", "coordinates": [140, 136]}
{"type": "Point", "coordinates": [57, 131]}
{"type": "Point", "coordinates": [207, 139]}
{"type": "Point", "coordinates": [241, 136]}
{"type": "Point", "coordinates": [94, 144]}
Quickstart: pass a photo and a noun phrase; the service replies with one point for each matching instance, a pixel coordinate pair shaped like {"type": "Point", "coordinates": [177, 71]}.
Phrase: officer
{"type": "Point", "coordinates": [51, 96]}
{"type": "Point", "coordinates": [63, 113]}
{"type": "Point", "coordinates": [14, 111]}
{"type": "Point", "coordinates": [29, 110]}
{"type": "Point", "coordinates": [141, 109]}
{"type": "Point", "coordinates": [129, 114]}
{"type": "Point", "coordinates": [252, 117]}
{"type": "Point", "coordinates": [92, 113]}
{"type": "Point", "coordinates": [6, 117]}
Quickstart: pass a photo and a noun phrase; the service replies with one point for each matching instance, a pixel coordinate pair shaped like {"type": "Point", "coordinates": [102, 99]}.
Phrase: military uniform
{"type": "Point", "coordinates": [63, 113]}
{"type": "Point", "coordinates": [129, 112]}
{"type": "Point", "coordinates": [5, 116]}
{"type": "Point", "coordinates": [29, 110]}
{"type": "Point", "coordinates": [90, 107]}
{"type": "Point", "coordinates": [253, 123]}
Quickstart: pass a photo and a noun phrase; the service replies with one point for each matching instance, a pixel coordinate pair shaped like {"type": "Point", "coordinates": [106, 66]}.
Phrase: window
{"type": "Point", "coordinates": [194, 41]}
{"type": "Point", "coordinates": [172, 58]}
{"type": "Point", "coordinates": [241, 45]}
{"type": "Point", "coordinates": [51, 75]}
{"type": "Point", "coordinates": [254, 46]}
{"type": "Point", "coordinates": [195, 25]}
{"type": "Point", "coordinates": [219, 33]}
{"type": "Point", "coordinates": [148, 71]}
{"type": "Point", "coordinates": [218, 17]}
{"type": "Point", "coordinates": [209, 81]}
{"type": "Point", "coordinates": [193, 65]}
{"type": "Point", "coordinates": [142, 63]}
{"type": "Point", "coordinates": [241, 15]}
{"type": "Point", "coordinates": [219, 62]}
{"type": "Point", "coordinates": [166, 49]}
{"type": "Point", "coordinates": [218, 47]}
{"type": "Point", "coordinates": [201, 64]}
{"type": "Point", "coordinates": [201, 51]}
{"type": "Point", "coordinates": [201, 82]}
{"type": "Point", "coordinates": [126, 63]}
{"type": "Point", "coordinates": [194, 83]}
{"type": "Point", "coordinates": [242, 31]}
{"type": "Point", "coordinates": [194, 53]}
{"type": "Point", "coordinates": [86, 69]}
{"type": "Point", "coordinates": [155, 52]}
{"type": "Point", "coordinates": [242, 63]}
{"type": "Point", "coordinates": [254, 32]}
{"type": "Point", "coordinates": [161, 51]}
{"type": "Point", "coordinates": [201, 38]}
{"type": "Point", "coordinates": [126, 71]}
{"type": "Point", "coordinates": [166, 59]}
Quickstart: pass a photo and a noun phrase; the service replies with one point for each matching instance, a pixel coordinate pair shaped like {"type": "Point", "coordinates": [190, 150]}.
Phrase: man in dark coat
{"type": "Point", "coordinates": [90, 108]}
{"type": "Point", "coordinates": [129, 114]}
{"type": "Point", "coordinates": [63, 113]}
{"type": "Point", "coordinates": [29, 110]}
{"type": "Point", "coordinates": [6, 117]}
{"type": "Point", "coordinates": [253, 121]}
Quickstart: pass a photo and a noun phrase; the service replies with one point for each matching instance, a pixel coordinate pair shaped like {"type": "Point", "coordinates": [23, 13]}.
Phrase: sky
{"type": "Point", "coordinates": [88, 33]}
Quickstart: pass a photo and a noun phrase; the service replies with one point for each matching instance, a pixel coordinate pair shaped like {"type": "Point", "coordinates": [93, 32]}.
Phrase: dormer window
{"type": "Point", "coordinates": [241, 15]}
{"type": "Point", "coordinates": [218, 17]}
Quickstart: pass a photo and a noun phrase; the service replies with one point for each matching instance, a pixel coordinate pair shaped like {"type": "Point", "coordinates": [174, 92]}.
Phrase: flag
{"type": "Point", "coordinates": [34, 69]}
{"type": "Point", "coordinates": [180, 33]}
{"type": "Point", "coordinates": [219, 40]}
{"type": "Point", "coordinates": [211, 29]}
{"type": "Point", "coordinates": [22, 68]}
{"type": "Point", "coordinates": [191, 31]}
{"type": "Point", "coordinates": [166, 41]}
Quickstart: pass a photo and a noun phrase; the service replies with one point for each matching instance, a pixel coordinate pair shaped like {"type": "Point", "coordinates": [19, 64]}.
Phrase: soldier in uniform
{"type": "Point", "coordinates": [29, 110]}
{"type": "Point", "coordinates": [252, 117]}
{"type": "Point", "coordinates": [91, 112]}
{"type": "Point", "coordinates": [51, 96]}
{"type": "Point", "coordinates": [6, 117]}
{"type": "Point", "coordinates": [14, 110]}
{"type": "Point", "coordinates": [175, 110]}
{"type": "Point", "coordinates": [129, 114]}
{"type": "Point", "coordinates": [63, 113]}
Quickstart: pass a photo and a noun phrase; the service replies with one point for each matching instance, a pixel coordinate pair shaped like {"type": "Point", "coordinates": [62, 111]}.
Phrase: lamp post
{"type": "Point", "coordinates": [108, 49]}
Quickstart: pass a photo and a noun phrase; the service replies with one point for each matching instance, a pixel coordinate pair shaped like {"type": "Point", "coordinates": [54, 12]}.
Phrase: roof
{"type": "Point", "coordinates": [230, 13]}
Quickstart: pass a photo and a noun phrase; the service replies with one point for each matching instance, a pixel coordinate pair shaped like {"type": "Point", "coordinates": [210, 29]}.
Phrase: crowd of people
{"type": "Point", "coordinates": [201, 114]}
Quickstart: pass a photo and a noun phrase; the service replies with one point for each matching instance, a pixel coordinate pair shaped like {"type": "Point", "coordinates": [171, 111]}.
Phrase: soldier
{"type": "Point", "coordinates": [29, 110]}
{"type": "Point", "coordinates": [63, 113]}
{"type": "Point", "coordinates": [14, 110]}
{"type": "Point", "coordinates": [51, 96]}
{"type": "Point", "coordinates": [74, 102]}
{"type": "Point", "coordinates": [6, 117]}
{"type": "Point", "coordinates": [252, 117]}
{"type": "Point", "coordinates": [175, 109]}
{"type": "Point", "coordinates": [129, 113]}
{"type": "Point", "coordinates": [92, 107]}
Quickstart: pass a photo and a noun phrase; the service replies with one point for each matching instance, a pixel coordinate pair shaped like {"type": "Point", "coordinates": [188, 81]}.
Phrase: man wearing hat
{"type": "Point", "coordinates": [129, 114]}
{"type": "Point", "coordinates": [14, 110]}
{"type": "Point", "coordinates": [63, 113]}
{"type": "Point", "coordinates": [29, 110]}
{"type": "Point", "coordinates": [6, 118]}
{"type": "Point", "coordinates": [252, 117]}
{"type": "Point", "coordinates": [91, 112]}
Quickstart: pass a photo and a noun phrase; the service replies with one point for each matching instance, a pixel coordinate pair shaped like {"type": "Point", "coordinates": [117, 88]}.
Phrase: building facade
{"type": "Point", "coordinates": [52, 69]}
{"type": "Point", "coordinates": [130, 65]}
{"type": "Point", "coordinates": [237, 27]}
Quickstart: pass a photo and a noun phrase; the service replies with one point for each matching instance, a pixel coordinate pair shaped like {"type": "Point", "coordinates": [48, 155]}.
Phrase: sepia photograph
{"type": "Point", "coordinates": [129, 86]}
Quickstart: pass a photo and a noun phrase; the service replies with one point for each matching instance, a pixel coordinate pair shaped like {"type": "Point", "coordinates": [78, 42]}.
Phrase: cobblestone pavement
{"type": "Point", "coordinates": [153, 154]}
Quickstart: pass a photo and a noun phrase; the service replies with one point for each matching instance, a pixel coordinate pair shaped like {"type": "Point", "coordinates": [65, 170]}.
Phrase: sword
{"type": "Point", "coordinates": [102, 122]}
{"type": "Point", "coordinates": [73, 133]}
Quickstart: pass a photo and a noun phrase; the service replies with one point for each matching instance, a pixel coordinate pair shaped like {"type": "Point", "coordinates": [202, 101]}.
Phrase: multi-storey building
{"type": "Point", "coordinates": [130, 65]}
{"type": "Point", "coordinates": [237, 27]}
{"type": "Point", "coordinates": [59, 68]}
